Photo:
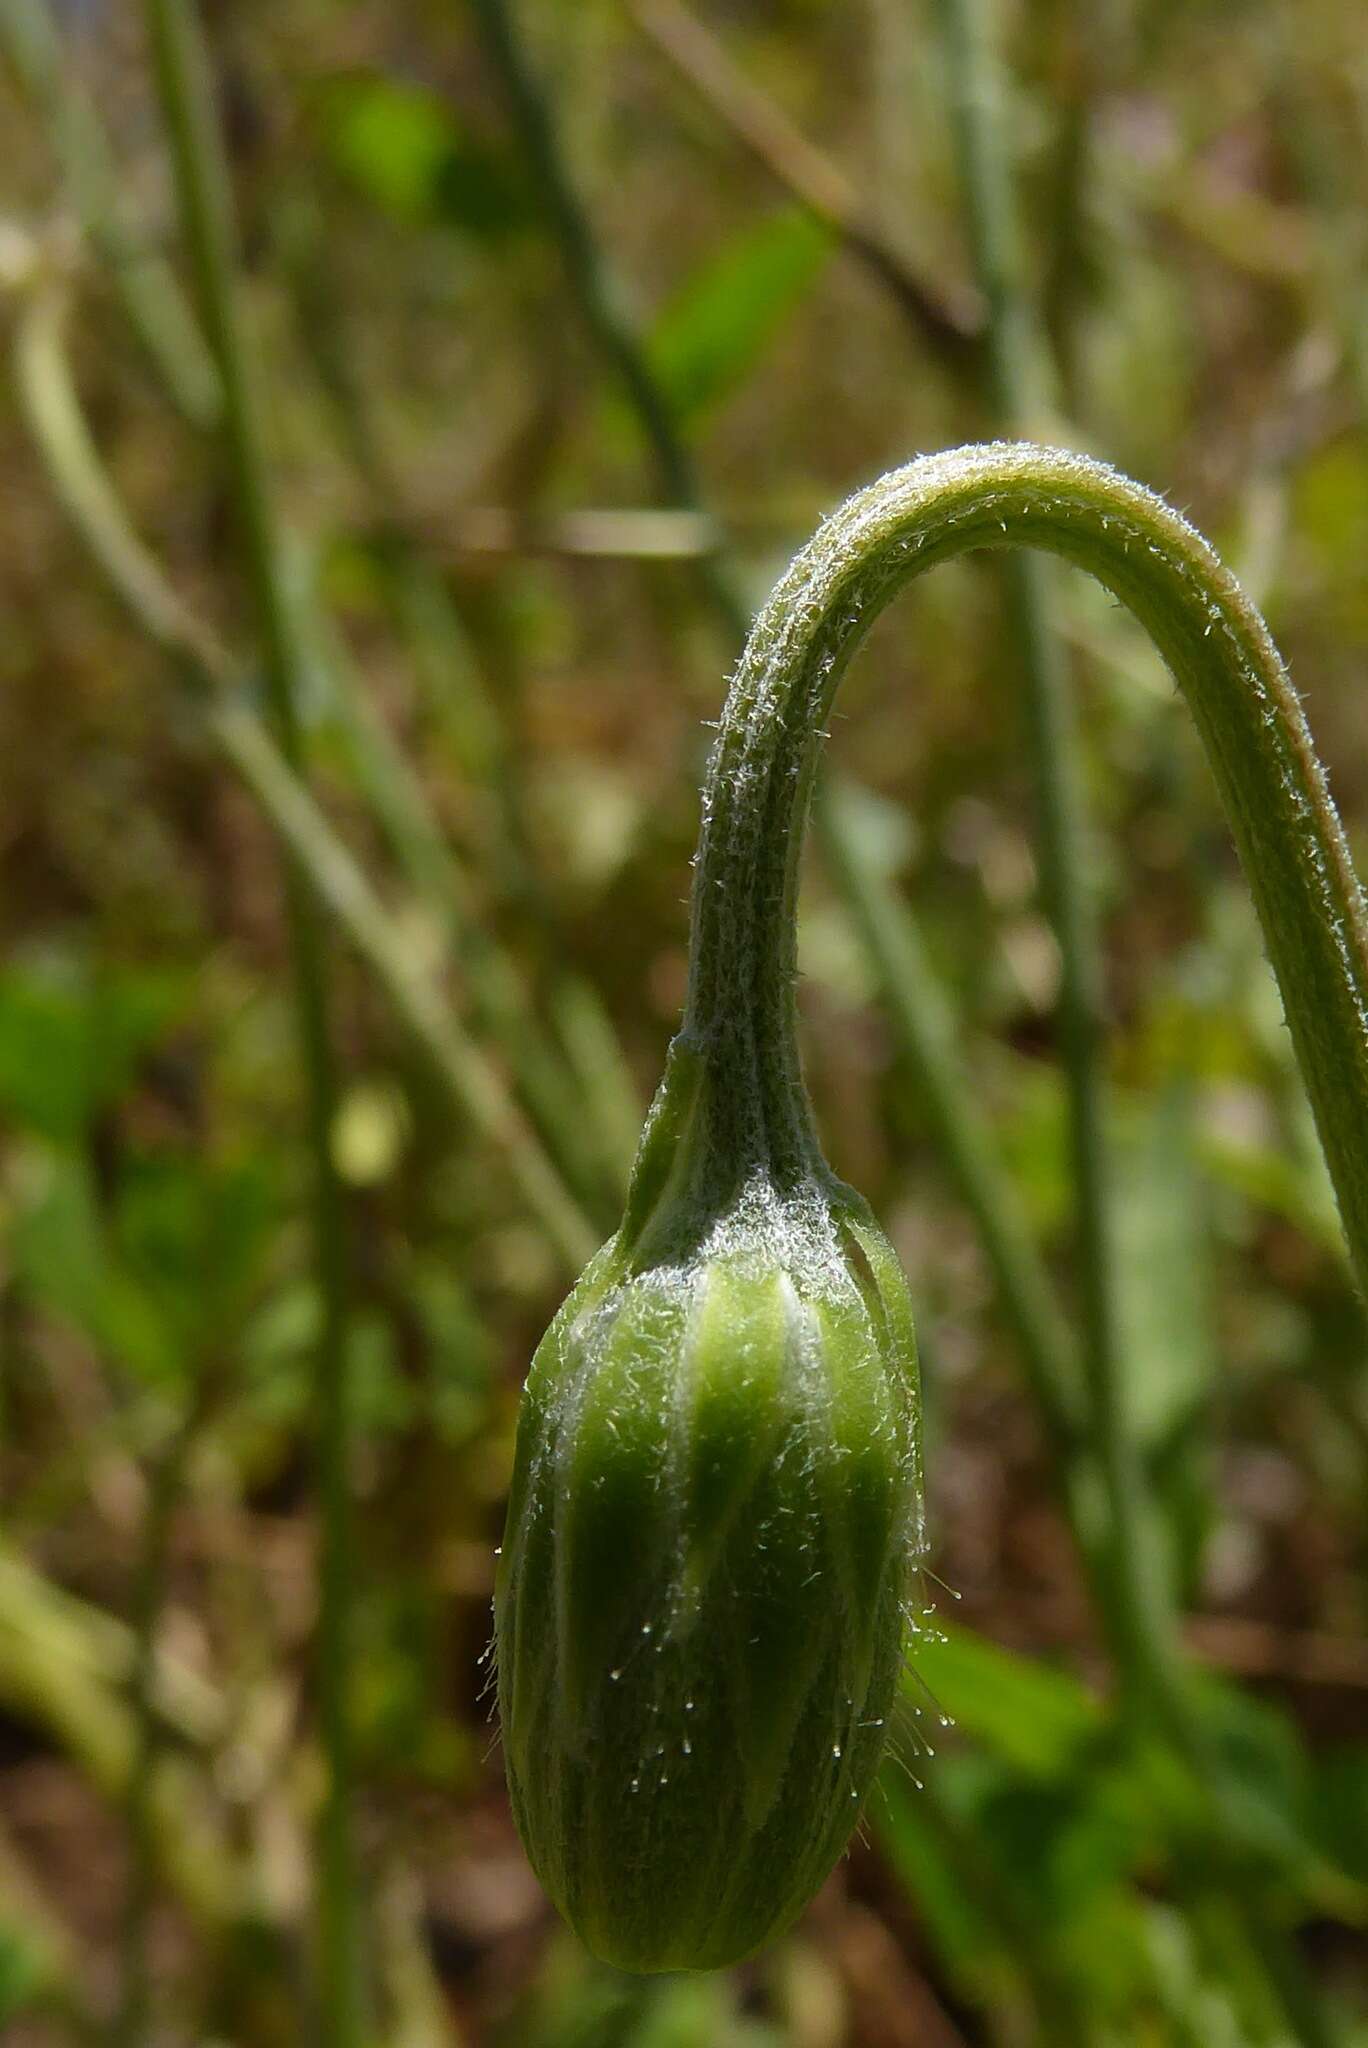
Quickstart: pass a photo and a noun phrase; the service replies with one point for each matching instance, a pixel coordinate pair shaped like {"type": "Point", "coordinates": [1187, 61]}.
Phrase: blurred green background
{"type": "Point", "coordinates": [566, 323]}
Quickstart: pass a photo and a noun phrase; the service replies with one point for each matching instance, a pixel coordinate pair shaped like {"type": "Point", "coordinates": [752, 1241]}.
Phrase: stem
{"type": "Point", "coordinates": [940, 320]}
{"type": "Point", "coordinates": [144, 280]}
{"type": "Point", "coordinates": [597, 293]}
{"type": "Point", "coordinates": [1012, 495]}
{"type": "Point", "coordinates": [741, 1018]}
{"type": "Point", "coordinates": [1023, 1284]}
{"type": "Point", "coordinates": [181, 70]}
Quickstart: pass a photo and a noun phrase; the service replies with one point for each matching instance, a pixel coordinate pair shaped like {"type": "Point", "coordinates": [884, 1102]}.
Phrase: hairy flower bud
{"type": "Point", "coordinates": [700, 1599]}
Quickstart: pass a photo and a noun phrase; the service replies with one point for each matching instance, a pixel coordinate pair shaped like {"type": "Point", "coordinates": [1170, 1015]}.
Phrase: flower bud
{"type": "Point", "coordinates": [716, 1506]}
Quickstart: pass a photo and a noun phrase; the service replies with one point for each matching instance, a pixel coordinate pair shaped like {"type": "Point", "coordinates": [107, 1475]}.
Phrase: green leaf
{"type": "Point", "coordinates": [402, 148]}
{"type": "Point", "coordinates": [1030, 1714]}
{"type": "Point", "coordinates": [720, 323]}
{"type": "Point", "coordinates": [71, 1038]}
{"type": "Point", "coordinates": [1339, 1808]}
{"type": "Point", "coordinates": [26, 1969]}
{"type": "Point", "coordinates": [1163, 1271]}
{"type": "Point", "coordinates": [915, 1847]}
{"type": "Point", "coordinates": [195, 1232]}
{"type": "Point", "coordinates": [61, 1253]}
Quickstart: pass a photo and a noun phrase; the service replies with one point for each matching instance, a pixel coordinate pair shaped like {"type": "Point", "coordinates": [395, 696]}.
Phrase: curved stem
{"type": "Point", "coordinates": [1013, 494]}
{"type": "Point", "coordinates": [740, 1020]}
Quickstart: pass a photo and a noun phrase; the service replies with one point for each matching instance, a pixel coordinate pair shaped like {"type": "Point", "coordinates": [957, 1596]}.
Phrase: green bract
{"type": "Point", "coordinates": [700, 1599]}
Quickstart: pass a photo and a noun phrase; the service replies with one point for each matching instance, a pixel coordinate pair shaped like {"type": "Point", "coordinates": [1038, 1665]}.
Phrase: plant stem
{"type": "Point", "coordinates": [1013, 360]}
{"type": "Point", "coordinates": [144, 280]}
{"type": "Point", "coordinates": [943, 325]}
{"type": "Point", "coordinates": [181, 69]}
{"type": "Point", "coordinates": [741, 1015]}
{"type": "Point", "coordinates": [597, 293]}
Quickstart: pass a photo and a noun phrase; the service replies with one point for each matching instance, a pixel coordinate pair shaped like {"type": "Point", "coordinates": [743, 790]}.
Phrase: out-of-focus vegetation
{"type": "Point", "coordinates": [566, 324]}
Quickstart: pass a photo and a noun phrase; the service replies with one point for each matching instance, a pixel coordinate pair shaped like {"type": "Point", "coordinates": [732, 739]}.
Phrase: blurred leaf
{"type": "Point", "coordinates": [1269, 1773]}
{"type": "Point", "coordinates": [61, 1253]}
{"type": "Point", "coordinates": [959, 1928]}
{"type": "Point", "coordinates": [195, 1233]}
{"type": "Point", "coordinates": [401, 146]}
{"type": "Point", "coordinates": [578, 2003]}
{"type": "Point", "coordinates": [25, 1969]}
{"type": "Point", "coordinates": [1027, 1874]}
{"type": "Point", "coordinates": [1294, 1187]}
{"type": "Point", "coordinates": [1163, 1271]}
{"type": "Point", "coordinates": [1339, 1807]}
{"type": "Point", "coordinates": [719, 324]}
{"type": "Point", "coordinates": [698, 2012]}
{"type": "Point", "coordinates": [461, 1375]}
{"type": "Point", "coordinates": [1330, 511]}
{"type": "Point", "coordinates": [70, 1039]}
{"type": "Point", "coordinates": [1028, 1713]}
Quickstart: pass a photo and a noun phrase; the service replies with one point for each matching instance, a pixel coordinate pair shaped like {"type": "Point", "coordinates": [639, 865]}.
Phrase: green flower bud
{"type": "Point", "coordinates": [715, 1509]}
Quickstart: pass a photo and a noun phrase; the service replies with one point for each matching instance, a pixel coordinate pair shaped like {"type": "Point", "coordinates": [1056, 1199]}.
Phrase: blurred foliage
{"type": "Point", "coordinates": [513, 659]}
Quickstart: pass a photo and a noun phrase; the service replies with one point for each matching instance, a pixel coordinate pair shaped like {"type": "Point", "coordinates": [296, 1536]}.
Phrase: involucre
{"type": "Point", "coordinates": [715, 1509]}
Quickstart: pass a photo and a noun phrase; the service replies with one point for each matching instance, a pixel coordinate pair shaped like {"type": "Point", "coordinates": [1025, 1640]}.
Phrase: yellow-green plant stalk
{"type": "Point", "coordinates": [717, 1505]}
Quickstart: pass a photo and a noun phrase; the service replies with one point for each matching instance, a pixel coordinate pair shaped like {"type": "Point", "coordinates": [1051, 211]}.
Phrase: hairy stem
{"type": "Point", "coordinates": [741, 1004]}
{"type": "Point", "coordinates": [741, 1017]}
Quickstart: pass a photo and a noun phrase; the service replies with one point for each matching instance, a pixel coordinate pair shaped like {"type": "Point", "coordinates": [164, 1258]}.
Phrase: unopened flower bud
{"type": "Point", "coordinates": [715, 1508]}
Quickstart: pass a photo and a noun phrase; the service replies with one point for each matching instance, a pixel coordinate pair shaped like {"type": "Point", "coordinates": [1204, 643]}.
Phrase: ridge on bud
{"type": "Point", "coordinates": [716, 1508]}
